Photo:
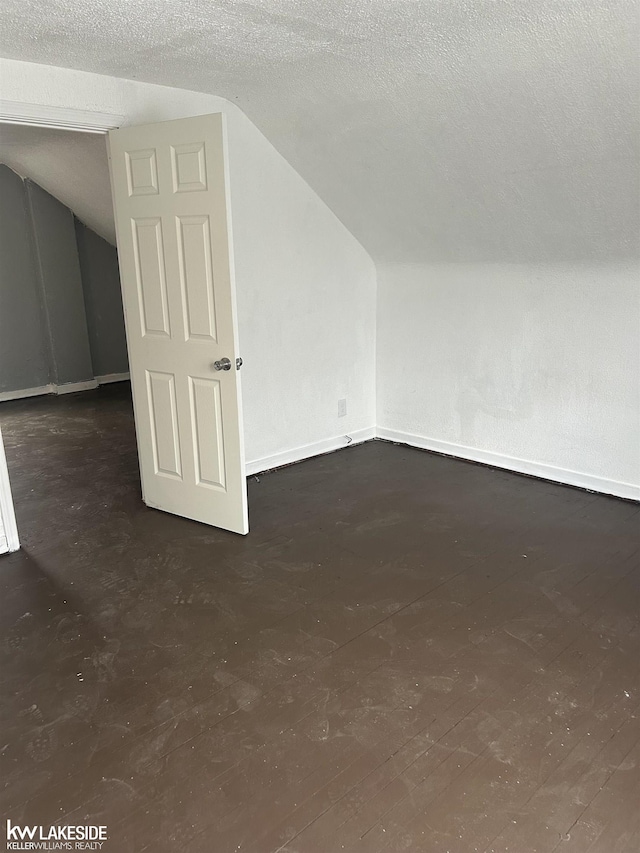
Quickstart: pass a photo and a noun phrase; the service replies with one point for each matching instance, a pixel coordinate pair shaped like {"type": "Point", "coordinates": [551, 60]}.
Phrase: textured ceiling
{"type": "Point", "coordinates": [437, 130]}
{"type": "Point", "coordinates": [73, 167]}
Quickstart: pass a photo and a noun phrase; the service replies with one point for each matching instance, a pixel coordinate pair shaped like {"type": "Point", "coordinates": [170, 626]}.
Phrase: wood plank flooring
{"type": "Point", "coordinates": [407, 653]}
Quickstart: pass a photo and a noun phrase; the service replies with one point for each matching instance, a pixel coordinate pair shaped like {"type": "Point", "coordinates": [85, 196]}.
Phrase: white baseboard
{"type": "Point", "coordinates": [5, 396]}
{"type": "Point", "coordinates": [460, 451]}
{"type": "Point", "coordinates": [297, 454]}
{"type": "Point", "coordinates": [512, 463]}
{"type": "Point", "coordinates": [65, 388]}
{"type": "Point", "coordinates": [73, 387]}
{"type": "Point", "coordinates": [112, 377]}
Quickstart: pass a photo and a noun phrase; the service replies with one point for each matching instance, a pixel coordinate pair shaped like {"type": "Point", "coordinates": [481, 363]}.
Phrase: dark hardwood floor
{"type": "Point", "coordinates": [406, 653]}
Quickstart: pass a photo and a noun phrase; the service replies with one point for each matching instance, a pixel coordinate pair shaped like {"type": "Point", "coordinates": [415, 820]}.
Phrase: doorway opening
{"type": "Point", "coordinates": [62, 332]}
{"type": "Point", "coordinates": [170, 196]}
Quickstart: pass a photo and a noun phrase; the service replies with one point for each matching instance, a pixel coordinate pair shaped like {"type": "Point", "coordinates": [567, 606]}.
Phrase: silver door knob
{"type": "Point", "coordinates": [223, 364]}
{"type": "Point", "coordinates": [238, 363]}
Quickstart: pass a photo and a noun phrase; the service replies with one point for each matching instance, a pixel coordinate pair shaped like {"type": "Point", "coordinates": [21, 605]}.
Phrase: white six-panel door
{"type": "Point", "coordinates": [171, 205]}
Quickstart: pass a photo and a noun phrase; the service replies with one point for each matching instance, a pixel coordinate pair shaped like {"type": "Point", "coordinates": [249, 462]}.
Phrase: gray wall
{"type": "Point", "coordinates": [24, 357]}
{"type": "Point", "coordinates": [103, 302]}
{"type": "Point", "coordinates": [61, 318]}
{"type": "Point", "coordinates": [59, 273]}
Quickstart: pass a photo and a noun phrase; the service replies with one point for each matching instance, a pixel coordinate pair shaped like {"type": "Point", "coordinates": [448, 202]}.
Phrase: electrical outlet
{"type": "Point", "coordinates": [342, 408]}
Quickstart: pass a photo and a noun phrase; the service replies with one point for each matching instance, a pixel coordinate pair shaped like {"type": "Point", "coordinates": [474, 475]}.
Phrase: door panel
{"type": "Point", "coordinates": [151, 278]}
{"type": "Point", "coordinates": [206, 408]}
{"type": "Point", "coordinates": [172, 221]}
{"type": "Point", "coordinates": [196, 276]}
{"type": "Point", "coordinates": [163, 415]}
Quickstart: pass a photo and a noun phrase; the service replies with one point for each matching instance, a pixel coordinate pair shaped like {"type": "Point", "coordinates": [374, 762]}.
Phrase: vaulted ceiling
{"type": "Point", "coordinates": [437, 130]}
{"type": "Point", "coordinates": [73, 167]}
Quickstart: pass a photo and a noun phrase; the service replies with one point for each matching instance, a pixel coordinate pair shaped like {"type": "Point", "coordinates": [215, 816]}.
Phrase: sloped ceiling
{"type": "Point", "coordinates": [73, 167]}
{"type": "Point", "coordinates": [437, 130]}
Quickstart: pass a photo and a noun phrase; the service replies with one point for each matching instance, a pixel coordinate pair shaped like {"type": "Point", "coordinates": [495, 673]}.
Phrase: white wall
{"type": "Point", "coordinates": [529, 367]}
{"type": "Point", "coordinates": [306, 288]}
{"type": "Point", "coordinates": [306, 308]}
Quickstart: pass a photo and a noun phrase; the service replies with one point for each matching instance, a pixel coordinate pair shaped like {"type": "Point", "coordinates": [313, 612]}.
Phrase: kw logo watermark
{"type": "Point", "coordinates": [49, 838]}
